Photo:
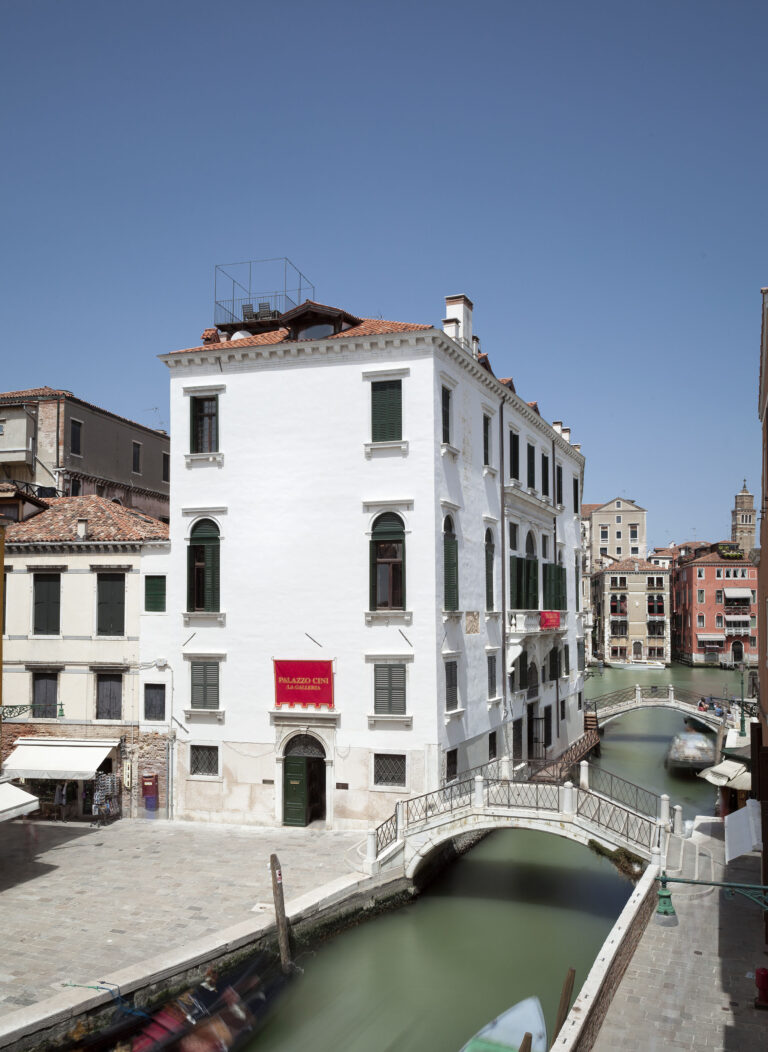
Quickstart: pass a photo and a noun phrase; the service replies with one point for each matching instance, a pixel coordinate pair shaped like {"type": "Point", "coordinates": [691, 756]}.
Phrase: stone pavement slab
{"type": "Point", "coordinates": [689, 986]}
{"type": "Point", "coordinates": [79, 901]}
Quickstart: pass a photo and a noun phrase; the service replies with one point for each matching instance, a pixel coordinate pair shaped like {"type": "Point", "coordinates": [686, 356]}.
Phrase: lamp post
{"type": "Point", "coordinates": [757, 893]}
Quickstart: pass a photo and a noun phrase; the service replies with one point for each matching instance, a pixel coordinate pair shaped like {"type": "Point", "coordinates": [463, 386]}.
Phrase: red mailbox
{"type": "Point", "coordinates": [149, 785]}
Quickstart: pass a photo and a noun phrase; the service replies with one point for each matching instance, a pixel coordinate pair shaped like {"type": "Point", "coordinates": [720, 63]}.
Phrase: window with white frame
{"type": "Point", "coordinates": [492, 681]}
{"type": "Point", "coordinates": [204, 684]}
{"type": "Point", "coordinates": [204, 760]}
{"type": "Point", "coordinates": [451, 686]}
{"type": "Point", "coordinates": [389, 769]}
{"type": "Point", "coordinates": [389, 689]}
{"type": "Point", "coordinates": [154, 702]}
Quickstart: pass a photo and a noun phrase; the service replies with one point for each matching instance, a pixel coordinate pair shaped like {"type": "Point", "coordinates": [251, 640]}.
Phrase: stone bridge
{"type": "Point", "coordinates": [609, 706]}
{"type": "Point", "coordinates": [591, 804]}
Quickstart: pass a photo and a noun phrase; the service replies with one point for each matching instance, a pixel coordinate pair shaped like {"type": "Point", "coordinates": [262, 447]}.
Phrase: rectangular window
{"type": "Point", "coordinates": [618, 518]}
{"type": "Point", "coordinates": [204, 684]}
{"type": "Point", "coordinates": [386, 411]}
{"type": "Point", "coordinates": [700, 572]}
{"type": "Point", "coordinates": [451, 764]}
{"type": "Point", "coordinates": [166, 467]}
{"type": "Point", "coordinates": [389, 690]}
{"type": "Point", "coordinates": [204, 424]}
{"type": "Point", "coordinates": [559, 485]}
{"type": "Point", "coordinates": [566, 660]}
{"type": "Point", "coordinates": [633, 531]}
{"type": "Point", "coordinates": [718, 574]}
{"type": "Point", "coordinates": [388, 769]}
{"type": "Point", "coordinates": [75, 488]}
{"type": "Point", "coordinates": [492, 745]}
{"type": "Point", "coordinates": [618, 535]}
{"type": "Point", "coordinates": [154, 594]}
{"type": "Point", "coordinates": [109, 696]}
{"type": "Point", "coordinates": [544, 475]}
{"type": "Point", "coordinates": [699, 595]}
{"type": "Point", "coordinates": [513, 536]}
{"type": "Point", "coordinates": [492, 684]}
{"type": "Point", "coordinates": [618, 551]}
{"type": "Point", "coordinates": [451, 686]}
{"type": "Point", "coordinates": [719, 595]}
{"type": "Point", "coordinates": [580, 657]}
{"type": "Point", "coordinates": [575, 496]}
{"type": "Point", "coordinates": [47, 602]}
{"type": "Point", "coordinates": [486, 441]}
{"type": "Point", "coordinates": [446, 407]}
{"type": "Point", "coordinates": [603, 533]}
{"type": "Point", "coordinates": [110, 614]}
{"type": "Point", "coordinates": [718, 620]}
{"type": "Point", "coordinates": [514, 455]}
{"type": "Point", "coordinates": [44, 688]}
{"type": "Point", "coordinates": [547, 726]}
{"type": "Point", "coordinates": [531, 478]}
{"type": "Point", "coordinates": [136, 453]}
{"type": "Point", "coordinates": [544, 546]}
{"type": "Point", "coordinates": [154, 701]}
{"type": "Point", "coordinates": [204, 760]}
{"type": "Point", "coordinates": [76, 438]}
{"type": "Point", "coordinates": [634, 551]}
{"type": "Point", "coordinates": [562, 708]}
{"type": "Point", "coordinates": [700, 620]}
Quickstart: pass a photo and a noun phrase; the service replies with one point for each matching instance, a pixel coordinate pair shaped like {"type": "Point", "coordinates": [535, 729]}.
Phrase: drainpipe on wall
{"type": "Point", "coordinates": [502, 547]}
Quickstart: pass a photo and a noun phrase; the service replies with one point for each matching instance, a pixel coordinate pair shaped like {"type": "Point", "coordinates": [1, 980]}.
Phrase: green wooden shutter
{"type": "Point", "coordinates": [451, 686]}
{"type": "Point", "coordinates": [562, 582]}
{"type": "Point", "coordinates": [489, 560]}
{"type": "Point", "coordinates": [451, 571]}
{"type": "Point", "coordinates": [446, 406]}
{"type": "Point", "coordinates": [514, 584]}
{"type": "Point", "coordinates": [47, 599]}
{"type": "Point", "coordinates": [491, 675]}
{"type": "Point", "coordinates": [567, 659]}
{"type": "Point", "coordinates": [205, 684]}
{"type": "Point", "coordinates": [111, 604]}
{"type": "Point", "coordinates": [514, 455]}
{"type": "Point", "coordinates": [389, 690]}
{"type": "Point", "coordinates": [212, 576]}
{"type": "Point", "coordinates": [191, 577]}
{"type": "Point", "coordinates": [154, 594]}
{"type": "Point", "coordinates": [386, 411]}
{"type": "Point", "coordinates": [532, 584]}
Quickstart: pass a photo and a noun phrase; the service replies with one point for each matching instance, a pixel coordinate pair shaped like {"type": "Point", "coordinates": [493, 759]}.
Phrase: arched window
{"type": "Point", "coordinates": [489, 560]}
{"type": "Point", "coordinates": [387, 563]}
{"type": "Point", "coordinates": [203, 567]}
{"type": "Point", "coordinates": [530, 546]}
{"type": "Point", "coordinates": [450, 566]}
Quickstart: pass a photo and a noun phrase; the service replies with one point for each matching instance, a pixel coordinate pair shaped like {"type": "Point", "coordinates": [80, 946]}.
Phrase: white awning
{"type": "Point", "coordinates": [737, 593]}
{"type": "Point", "coordinates": [742, 831]}
{"type": "Point", "coordinates": [728, 773]}
{"type": "Point", "coordinates": [708, 637]}
{"type": "Point", "coordinates": [57, 758]}
{"type": "Point", "coordinates": [15, 802]}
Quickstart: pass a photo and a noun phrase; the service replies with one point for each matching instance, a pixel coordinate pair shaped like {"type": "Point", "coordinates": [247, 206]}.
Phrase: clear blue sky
{"type": "Point", "coordinates": [593, 175]}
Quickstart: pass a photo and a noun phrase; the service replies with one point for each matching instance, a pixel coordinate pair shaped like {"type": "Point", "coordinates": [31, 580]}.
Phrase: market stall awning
{"type": "Point", "coordinates": [15, 802]}
{"type": "Point", "coordinates": [728, 773]}
{"type": "Point", "coordinates": [742, 831]}
{"type": "Point", "coordinates": [57, 758]}
{"type": "Point", "coordinates": [738, 593]}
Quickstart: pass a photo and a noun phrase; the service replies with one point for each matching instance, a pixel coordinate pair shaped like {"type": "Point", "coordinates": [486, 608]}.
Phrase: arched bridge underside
{"type": "Point", "coordinates": [568, 811]}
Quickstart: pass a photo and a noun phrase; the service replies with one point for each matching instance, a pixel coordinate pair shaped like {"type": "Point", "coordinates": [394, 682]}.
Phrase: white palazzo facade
{"type": "Point", "coordinates": [367, 503]}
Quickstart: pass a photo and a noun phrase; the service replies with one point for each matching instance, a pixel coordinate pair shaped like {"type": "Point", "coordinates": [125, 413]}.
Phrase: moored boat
{"type": "Point", "coordinates": [506, 1031]}
{"type": "Point", "coordinates": [690, 752]}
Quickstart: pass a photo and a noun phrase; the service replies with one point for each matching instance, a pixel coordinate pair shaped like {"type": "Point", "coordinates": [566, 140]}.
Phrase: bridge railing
{"type": "Point", "coordinates": [386, 834]}
{"type": "Point", "coordinates": [539, 796]}
{"type": "Point", "coordinates": [606, 814]}
{"type": "Point", "coordinates": [441, 801]}
{"type": "Point", "coordinates": [618, 789]}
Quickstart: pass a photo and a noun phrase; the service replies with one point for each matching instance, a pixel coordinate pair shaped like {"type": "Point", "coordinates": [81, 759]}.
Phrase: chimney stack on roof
{"type": "Point", "coordinates": [458, 314]}
{"type": "Point", "coordinates": [557, 425]}
{"type": "Point", "coordinates": [82, 529]}
{"type": "Point", "coordinates": [566, 433]}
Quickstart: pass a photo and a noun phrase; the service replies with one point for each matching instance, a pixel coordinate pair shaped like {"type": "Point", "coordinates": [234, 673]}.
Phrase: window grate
{"type": "Point", "coordinates": [388, 769]}
{"type": "Point", "coordinates": [204, 759]}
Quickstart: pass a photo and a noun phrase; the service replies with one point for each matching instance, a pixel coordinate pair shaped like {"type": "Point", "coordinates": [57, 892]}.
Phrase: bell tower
{"type": "Point", "coordinates": [743, 523]}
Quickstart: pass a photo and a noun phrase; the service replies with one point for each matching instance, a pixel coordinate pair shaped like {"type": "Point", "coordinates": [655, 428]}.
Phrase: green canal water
{"type": "Point", "coordinates": [503, 922]}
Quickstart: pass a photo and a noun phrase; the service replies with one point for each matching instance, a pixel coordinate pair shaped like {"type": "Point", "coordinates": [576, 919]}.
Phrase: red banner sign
{"type": "Point", "coordinates": [308, 684]}
{"type": "Point", "coordinates": [549, 619]}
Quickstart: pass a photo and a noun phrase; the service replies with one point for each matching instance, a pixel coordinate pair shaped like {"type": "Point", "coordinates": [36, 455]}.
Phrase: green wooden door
{"type": "Point", "coordinates": [295, 791]}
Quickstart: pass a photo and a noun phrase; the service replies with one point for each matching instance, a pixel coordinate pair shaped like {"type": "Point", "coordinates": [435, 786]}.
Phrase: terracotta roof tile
{"type": "Point", "coordinates": [367, 327]}
{"type": "Point", "coordinates": [107, 521]}
{"type": "Point", "coordinates": [643, 566]}
{"type": "Point", "coordinates": [587, 509]}
{"type": "Point", "coordinates": [34, 393]}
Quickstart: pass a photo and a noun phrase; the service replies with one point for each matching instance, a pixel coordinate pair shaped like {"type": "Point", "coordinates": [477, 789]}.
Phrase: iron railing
{"type": "Point", "coordinates": [386, 834]}
{"type": "Point", "coordinates": [635, 797]}
{"type": "Point", "coordinates": [451, 797]}
{"type": "Point", "coordinates": [539, 796]}
{"type": "Point", "coordinates": [607, 814]}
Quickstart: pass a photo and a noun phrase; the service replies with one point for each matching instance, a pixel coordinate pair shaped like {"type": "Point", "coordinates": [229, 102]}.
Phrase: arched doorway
{"type": "Point", "coordinates": [737, 651]}
{"type": "Point", "coordinates": [303, 781]}
{"type": "Point", "coordinates": [637, 650]}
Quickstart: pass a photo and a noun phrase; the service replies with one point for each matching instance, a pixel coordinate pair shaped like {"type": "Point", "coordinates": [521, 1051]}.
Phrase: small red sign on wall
{"type": "Point", "coordinates": [549, 619]}
{"type": "Point", "coordinates": [308, 684]}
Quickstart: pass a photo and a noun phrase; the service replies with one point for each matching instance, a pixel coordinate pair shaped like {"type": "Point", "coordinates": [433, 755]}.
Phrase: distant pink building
{"type": "Point", "coordinates": [714, 589]}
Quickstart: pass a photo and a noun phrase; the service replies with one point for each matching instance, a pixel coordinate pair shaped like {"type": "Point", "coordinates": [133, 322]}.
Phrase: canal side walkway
{"type": "Point", "coordinates": [81, 903]}
{"type": "Point", "coordinates": [692, 986]}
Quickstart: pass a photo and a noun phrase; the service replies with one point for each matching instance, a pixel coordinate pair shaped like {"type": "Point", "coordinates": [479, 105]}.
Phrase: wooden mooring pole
{"type": "Point", "coordinates": [525, 1044]}
{"type": "Point", "coordinates": [282, 922]}
{"type": "Point", "coordinates": [565, 1004]}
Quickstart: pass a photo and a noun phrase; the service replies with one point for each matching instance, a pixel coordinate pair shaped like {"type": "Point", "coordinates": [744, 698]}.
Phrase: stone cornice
{"type": "Point", "coordinates": [79, 547]}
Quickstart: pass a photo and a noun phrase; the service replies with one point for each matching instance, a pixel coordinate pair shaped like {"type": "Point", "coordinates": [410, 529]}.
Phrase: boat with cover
{"type": "Point", "coordinates": [506, 1031]}
{"type": "Point", "coordinates": [690, 752]}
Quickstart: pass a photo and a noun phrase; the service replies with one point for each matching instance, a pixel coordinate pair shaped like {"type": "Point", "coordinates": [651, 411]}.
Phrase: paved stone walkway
{"type": "Point", "coordinates": [688, 987]}
{"type": "Point", "coordinates": [79, 901]}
